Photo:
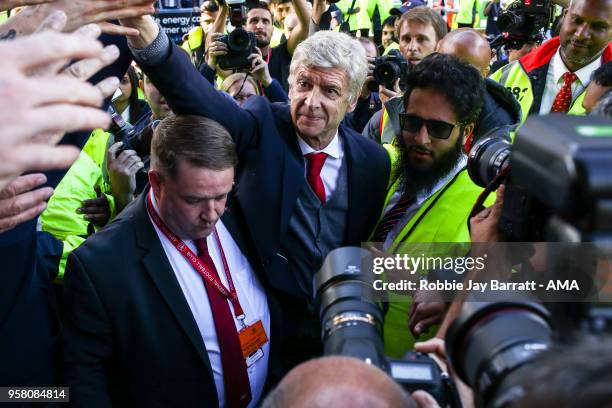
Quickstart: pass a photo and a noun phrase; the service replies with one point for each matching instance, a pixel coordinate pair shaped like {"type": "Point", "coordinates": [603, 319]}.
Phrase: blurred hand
{"type": "Point", "coordinates": [425, 313]}
{"type": "Point", "coordinates": [386, 94]}
{"type": "Point", "coordinates": [82, 12]}
{"type": "Point", "coordinates": [38, 104]}
{"type": "Point", "coordinates": [122, 171]}
{"type": "Point", "coordinates": [483, 226]}
{"type": "Point", "coordinates": [259, 69]}
{"type": "Point", "coordinates": [214, 50]}
{"type": "Point", "coordinates": [96, 210]}
{"type": "Point", "coordinates": [11, 4]}
{"type": "Point", "coordinates": [19, 202]}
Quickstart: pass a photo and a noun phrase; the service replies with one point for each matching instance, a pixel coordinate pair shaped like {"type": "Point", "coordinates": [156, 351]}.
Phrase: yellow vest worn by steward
{"type": "Point", "coordinates": [526, 78]}
{"type": "Point", "coordinates": [60, 217]}
{"type": "Point", "coordinates": [443, 218]}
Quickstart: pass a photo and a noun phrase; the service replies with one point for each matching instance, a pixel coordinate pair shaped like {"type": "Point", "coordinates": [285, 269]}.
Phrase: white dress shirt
{"type": "Point", "coordinates": [248, 288]}
{"type": "Point", "coordinates": [554, 81]}
{"type": "Point", "coordinates": [331, 168]}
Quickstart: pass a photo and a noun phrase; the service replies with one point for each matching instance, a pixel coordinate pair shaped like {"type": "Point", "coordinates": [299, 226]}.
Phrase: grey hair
{"type": "Point", "coordinates": [328, 49]}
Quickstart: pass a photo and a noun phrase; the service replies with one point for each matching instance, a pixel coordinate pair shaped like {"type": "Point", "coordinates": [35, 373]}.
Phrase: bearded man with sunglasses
{"type": "Point", "coordinates": [431, 193]}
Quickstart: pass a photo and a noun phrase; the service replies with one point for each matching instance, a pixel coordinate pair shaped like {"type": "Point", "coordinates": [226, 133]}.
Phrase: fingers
{"type": "Point", "coordinates": [22, 184]}
{"type": "Point", "coordinates": [37, 50]}
{"type": "Point", "coordinates": [108, 86]}
{"type": "Point", "coordinates": [434, 345]}
{"type": "Point", "coordinates": [122, 13]}
{"type": "Point", "coordinates": [424, 400]}
{"type": "Point", "coordinates": [425, 315]}
{"type": "Point", "coordinates": [422, 326]}
{"type": "Point", "coordinates": [62, 90]}
{"type": "Point", "coordinates": [67, 118]}
{"type": "Point", "coordinates": [114, 29]}
{"type": "Point", "coordinates": [111, 153]}
{"type": "Point", "coordinates": [85, 69]}
{"type": "Point", "coordinates": [40, 157]}
{"type": "Point", "coordinates": [56, 21]}
{"type": "Point", "coordinates": [92, 205]}
{"type": "Point", "coordinates": [23, 207]}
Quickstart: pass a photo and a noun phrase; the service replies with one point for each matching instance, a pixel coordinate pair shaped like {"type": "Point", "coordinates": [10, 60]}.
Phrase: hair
{"type": "Point", "coordinates": [604, 106]}
{"type": "Point", "coordinates": [328, 49]}
{"type": "Point", "coordinates": [603, 74]}
{"type": "Point", "coordinates": [238, 77]}
{"type": "Point", "coordinates": [578, 375]}
{"type": "Point", "coordinates": [424, 15]}
{"type": "Point", "coordinates": [389, 21]}
{"type": "Point", "coordinates": [461, 84]}
{"type": "Point", "coordinates": [368, 40]}
{"type": "Point", "coordinates": [209, 6]}
{"type": "Point", "coordinates": [199, 140]}
{"type": "Point", "coordinates": [261, 6]}
{"type": "Point", "coordinates": [134, 104]}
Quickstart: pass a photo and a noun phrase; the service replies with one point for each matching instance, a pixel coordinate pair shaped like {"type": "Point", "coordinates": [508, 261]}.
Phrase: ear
{"type": "Point", "coordinates": [353, 105]}
{"type": "Point", "coordinates": [468, 137]}
{"type": "Point", "coordinates": [156, 181]}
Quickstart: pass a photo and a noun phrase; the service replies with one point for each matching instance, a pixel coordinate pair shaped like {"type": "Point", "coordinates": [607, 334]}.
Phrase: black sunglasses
{"type": "Point", "coordinates": [436, 128]}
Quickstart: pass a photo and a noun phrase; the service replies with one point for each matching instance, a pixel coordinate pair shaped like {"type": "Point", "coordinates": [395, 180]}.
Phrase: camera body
{"type": "Point", "coordinates": [135, 137]}
{"type": "Point", "coordinates": [387, 69]}
{"type": "Point", "coordinates": [554, 160]}
{"type": "Point", "coordinates": [240, 43]}
{"type": "Point", "coordinates": [352, 321]}
{"type": "Point", "coordinates": [523, 21]}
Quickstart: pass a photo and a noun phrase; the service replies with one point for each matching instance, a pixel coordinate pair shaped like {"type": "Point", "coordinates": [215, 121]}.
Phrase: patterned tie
{"type": "Point", "coordinates": [235, 377]}
{"type": "Point", "coordinates": [563, 100]}
{"type": "Point", "coordinates": [313, 173]}
{"type": "Point", "coordinates": [392, 217]}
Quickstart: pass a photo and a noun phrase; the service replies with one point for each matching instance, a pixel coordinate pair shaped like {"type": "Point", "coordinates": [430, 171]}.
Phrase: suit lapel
{"type": "Point", "coordinates": [162, 275]}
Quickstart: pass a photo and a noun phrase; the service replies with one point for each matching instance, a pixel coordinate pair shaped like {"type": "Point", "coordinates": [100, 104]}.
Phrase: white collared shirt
{"type": "Point", "coordinates": [331, 168]}
{"type": "Point", "coordinates": [554, 80]}
{"type": "Point", "coordinates": [248, 288]}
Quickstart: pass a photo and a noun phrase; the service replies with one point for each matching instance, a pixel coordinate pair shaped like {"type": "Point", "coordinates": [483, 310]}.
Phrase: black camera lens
{"type": "Point", "coordinates": [490, 341]}
{"type": "Point", "coordinates": [386, 73]}
{"type": "Point", "coordinates": [510, 21]}
{"type": "Point", "coordinates": [487, 158]}
{"type": "Point", "coordinates": [239, 40]}
{"type": "Point", "coordinates": [351, 319]}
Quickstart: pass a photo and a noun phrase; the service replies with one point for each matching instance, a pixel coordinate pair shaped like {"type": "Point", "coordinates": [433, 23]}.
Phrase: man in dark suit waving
{"type": "Point", "coordinates": [306, 183]}
{"type": "Point", "coordinates": [162, 307]}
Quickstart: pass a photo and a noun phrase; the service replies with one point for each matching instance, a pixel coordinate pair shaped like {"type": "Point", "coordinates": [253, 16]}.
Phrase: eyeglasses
{"type": "Point", "coordinates": [436, 128]}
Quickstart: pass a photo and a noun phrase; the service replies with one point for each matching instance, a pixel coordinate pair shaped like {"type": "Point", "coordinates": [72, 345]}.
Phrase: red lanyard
{"type": "Point", "coordinates": [197, 264]}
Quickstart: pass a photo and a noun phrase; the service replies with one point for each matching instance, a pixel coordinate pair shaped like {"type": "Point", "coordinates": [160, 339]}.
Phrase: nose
{"type": "Point", "coordinates": [208, 212]}
{"type": "Point", "coordinates": [313, 99]}
{"type": "Point", "coordinates": [421, 137]}
{"type": "Point", "coordinates": [582, 32]}
{"type": "Point", "coordinates": [413, 45]}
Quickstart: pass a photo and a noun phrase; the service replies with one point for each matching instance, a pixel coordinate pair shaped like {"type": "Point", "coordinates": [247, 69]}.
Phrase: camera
{"type": "Point", "coordinates": [240, 43]}
{"type": "Point", "coordinates": [352, 323]}
{"type": "Point", "coordinates": [135, 137]}
{"type": "Point", "coordinates": [554, 160]}
{"type": "Point", "coordinates": [523, 21]}
{"type": "Point", "coordinates": [387, 69]}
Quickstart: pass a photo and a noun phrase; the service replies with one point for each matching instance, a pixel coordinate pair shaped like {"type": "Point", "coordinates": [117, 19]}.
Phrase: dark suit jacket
{"type": "Point", "coordinates": [271, 167]}
{"type": "Point", "coordinates": [129, 336]}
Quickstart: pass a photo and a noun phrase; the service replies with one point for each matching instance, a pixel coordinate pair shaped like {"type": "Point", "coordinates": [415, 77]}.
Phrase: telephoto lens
{"type": "Point", "coordinates": [351, 319]}
{"type": "Point", "coordinates": [489, 156]}
{"type": "Point", "coordinates": [491, 343]}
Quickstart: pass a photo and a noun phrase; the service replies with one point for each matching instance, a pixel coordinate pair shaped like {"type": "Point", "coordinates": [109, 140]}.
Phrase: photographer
{"type": "Point", "coordinates": [259, 72]}
{"type": "Point", "coordinates": [601, 82]}
{"type": "Point", "coordinates": [553, 78]}
{"type": "Point", "coordinates": [99, 185]}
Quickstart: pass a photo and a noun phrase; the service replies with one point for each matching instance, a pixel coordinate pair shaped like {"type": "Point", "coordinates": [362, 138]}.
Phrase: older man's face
{"type": "Point", "coordinates": [319, 100]}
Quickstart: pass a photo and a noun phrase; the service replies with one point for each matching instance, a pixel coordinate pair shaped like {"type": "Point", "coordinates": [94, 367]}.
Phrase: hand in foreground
{"type": "Point", "coordinates": [20, 201]}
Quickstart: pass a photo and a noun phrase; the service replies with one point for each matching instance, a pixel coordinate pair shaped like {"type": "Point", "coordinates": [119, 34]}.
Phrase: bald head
{"type": "Point", "coordinates": [468, 45]}
{"type": "Point", "coordinates": [337, 382]}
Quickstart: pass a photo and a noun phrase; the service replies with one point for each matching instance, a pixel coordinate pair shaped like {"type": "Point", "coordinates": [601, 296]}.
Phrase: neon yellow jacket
{"type": "Point", "coordinates": [443, 218]}
{"type": "Point", "coordinates": [60, 217]}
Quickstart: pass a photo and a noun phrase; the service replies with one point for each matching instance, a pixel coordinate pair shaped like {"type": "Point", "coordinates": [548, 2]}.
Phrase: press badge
{"type": "Point", "coordinates": [252, 339]}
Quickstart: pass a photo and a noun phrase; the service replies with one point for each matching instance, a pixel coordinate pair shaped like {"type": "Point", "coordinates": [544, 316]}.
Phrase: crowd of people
{"type": "Point", "coordinates": [165, 207]}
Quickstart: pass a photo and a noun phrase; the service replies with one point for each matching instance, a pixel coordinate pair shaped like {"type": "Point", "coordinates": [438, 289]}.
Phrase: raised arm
{"type": "Point", "coordinates": [300, 33]}
{"type": "Point", "coordinates": [187, 92]}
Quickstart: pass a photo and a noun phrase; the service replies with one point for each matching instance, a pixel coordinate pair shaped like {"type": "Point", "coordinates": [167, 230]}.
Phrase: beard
{"type": "Point", "coordinates": [261, 43]}
{"type": "Point", "coordinates": [415, 180]}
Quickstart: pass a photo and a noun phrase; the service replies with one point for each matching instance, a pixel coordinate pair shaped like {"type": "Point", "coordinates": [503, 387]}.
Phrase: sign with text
{"type": "Point", "coordinates": [176, 23]}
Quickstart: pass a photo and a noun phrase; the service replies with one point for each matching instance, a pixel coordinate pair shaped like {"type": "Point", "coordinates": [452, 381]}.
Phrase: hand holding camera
{"type": "Point", "coordinates": [122, 169]}
{"type": "Point", "coordinates": [259, 69]}
{"type": "Point", "coordinates": [215, 49]}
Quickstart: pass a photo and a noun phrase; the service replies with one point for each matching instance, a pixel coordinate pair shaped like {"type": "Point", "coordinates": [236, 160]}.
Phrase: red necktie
{"type": "Point", "coordinates": [563, 100]}
{"type": "Point", "coordinates": [235, 377]}
{"type": "Point", "coordinates": [392, 217]}
{"type": "Point", "coordinates": [313, 173]}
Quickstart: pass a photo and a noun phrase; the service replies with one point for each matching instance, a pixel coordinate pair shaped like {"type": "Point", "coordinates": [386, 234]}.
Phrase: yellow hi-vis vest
{"type": "Point", "coordinates": [442, 218]}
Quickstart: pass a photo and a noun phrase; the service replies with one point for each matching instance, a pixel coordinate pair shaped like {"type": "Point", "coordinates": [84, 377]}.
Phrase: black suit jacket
{"type": "Point", "coordinates": [271, 166]}
{"type": "Point", "coordinates": [129, 337]}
